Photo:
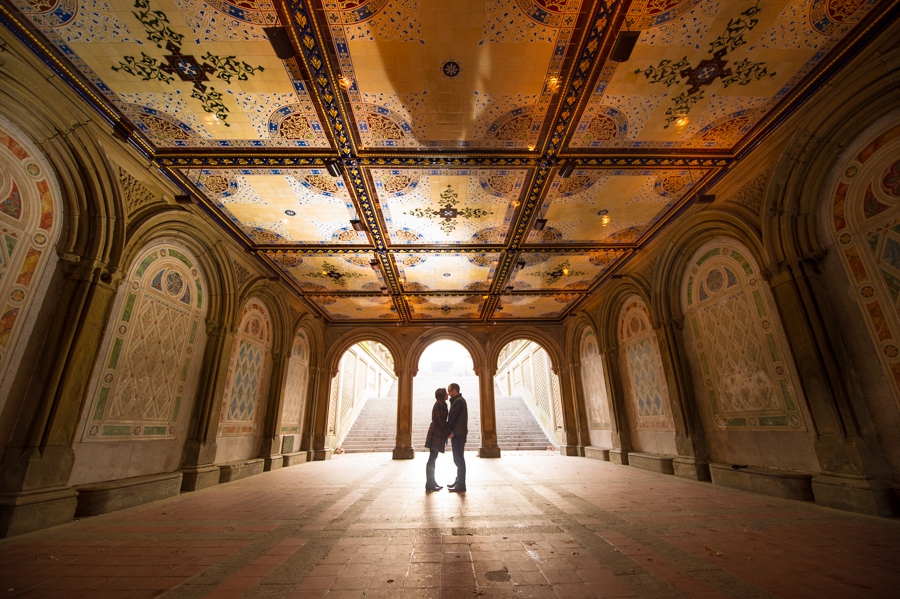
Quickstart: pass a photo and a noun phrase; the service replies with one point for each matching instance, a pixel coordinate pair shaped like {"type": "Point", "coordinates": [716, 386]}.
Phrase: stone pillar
{"type": "Point", "coordinates": [575, 435]}
{"type": "Point", "coordinates": [34, 474]}
{"type": "Point", "coordinates": [489, 447]}
{"type": "Point", "coordinates": [854, 475]}
{"type": "Point", "coordinates": [270, 450]}
{"type": "Point", "coordinates": [690, 442]}
{"type": "Point", "coordinates": [199, 454]}
{"type": "Point", "coordinates": [618, 413]}
{"type": "Point", "coordinates": [404, 449]}
{"type": "Point", "coordinates": [321, 446]}
{"type": "Point", "coordinates": [311, 407]}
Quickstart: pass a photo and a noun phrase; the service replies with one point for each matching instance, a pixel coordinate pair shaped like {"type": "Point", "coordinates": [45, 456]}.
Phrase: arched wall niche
{"type": "Point", "coordinates": [143, 384]}
{"type": "Point", "coordinates": [594, 387]}
{"type": "Point", "coordinates": [750, 400]}
{"type": "Point", "coordinates": [31, 223]}
{"type": "Point", "coordinates": [644, 385]}
{"type": "Point", "coordinates": [860, 219]}
{"type": "Point", "coordinates": [295, 401]}
{"type": "Point", "coordinates": [244, 401]}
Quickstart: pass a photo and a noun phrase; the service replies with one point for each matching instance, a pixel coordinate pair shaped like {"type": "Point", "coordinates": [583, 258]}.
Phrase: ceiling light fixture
{"type": "Point", "coordinates": [539, 224]}
{"type": "Point", "coordinates": [375, 264]}
{"type": "Point", "coordinates": [706, 198]}
{"type": "Point", "coordinates": [508, 288]}
{"type": "Point", "coordinates": [604, 217]}
{"type": "Point", "coordinates": [681, 121]}
{"type": "Point", "coordinates": [384, 290]}
{"type": "Point", "coordinates": [357, 225]}
{"type": "Point", "coordinates": [281, 42]}
{"type": "Point", "coordinates": [624, 46]}
{"type": "Point", "coordinates": [333, 168]}
{"type": "Point", "coordinates": [520, 264]}
{"type": "Point", "coordinates": [566, 170]}
{"type": "Point", "coordinates": [345, 82]}
{"type": "Point", "coordinates": [184, 199]}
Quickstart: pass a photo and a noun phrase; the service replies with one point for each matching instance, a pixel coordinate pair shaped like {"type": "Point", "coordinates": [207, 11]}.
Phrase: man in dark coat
{"type": "Point", "coordinates": [458, 422]}
{"type": "Point", "coordinates": [436, 439]}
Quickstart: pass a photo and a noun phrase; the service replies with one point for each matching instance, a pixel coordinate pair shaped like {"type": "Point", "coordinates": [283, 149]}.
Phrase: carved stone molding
{"type": "Point", "coordinates": [134, 193]}
{"type": "Point", "coordinates": [751, 194]}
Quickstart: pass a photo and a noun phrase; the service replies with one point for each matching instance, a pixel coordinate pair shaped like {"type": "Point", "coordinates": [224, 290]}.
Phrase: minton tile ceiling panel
{"type": "Point", "coordinates": [571, 271]}
{"type": "Point", "coordinates": [610, 205]}
{"type": "Point", "coordinates": [439, 74]}
{"type": "Point", "coordinates": [705, 71]}
{"type": "Point", "coordinates": [185, 72]}
{"type": "Point", "coordinates": [448, 206]}
{"type": "Point", "coordinates": [424, 307]}
{"type": "Point", "coordinates": [532, 306]}
{"type": "Point", "coordinates": [289, 206]}
{"type": "Point", "coordinates": [356, 307]}
{"type": "Point", "coordinates": [420, 271]}
{"type": "Point", "coordinates": [329, 272]}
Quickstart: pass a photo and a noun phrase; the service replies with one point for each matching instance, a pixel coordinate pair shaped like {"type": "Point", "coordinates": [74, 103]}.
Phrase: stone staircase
{"type": "Point", "coordinates": [375, 428]}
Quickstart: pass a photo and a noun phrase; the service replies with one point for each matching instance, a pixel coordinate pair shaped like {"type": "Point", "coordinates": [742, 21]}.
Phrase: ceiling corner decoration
{"type": "Point", "coordinates": [405, 164]}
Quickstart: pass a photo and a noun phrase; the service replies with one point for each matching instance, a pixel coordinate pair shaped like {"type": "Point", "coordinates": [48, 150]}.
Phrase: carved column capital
{"type": "Point", "coordinates": [77, 268]}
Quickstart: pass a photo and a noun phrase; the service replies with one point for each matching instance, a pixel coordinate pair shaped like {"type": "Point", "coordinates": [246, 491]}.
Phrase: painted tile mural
{"type": "Point", "coordinates": [424, 73]}
{"type": "Point", "coordinates": [448, 206]}
{"type": "Point", "coordinates": [866, 221]}
{"type": "Point", "coordinates": [593, 381]}
{"type": "Point", "coordinates": [610, 205]}
{"type": "Point", "coordinates": [534, 305]}
{"type": "Point", "coordinates": [289, 206]}
{"type": "Point", "coordinates": [144, 372]}
{"type": "Point", "coordinates": [295, 387]}
{"type": "Point", "coordinates": [705, 71]}
{"type": "Point", "coordinates": [421, 271]}
{"type": "Point", "coordinates": [356, 307]}
{"type": "Point", "coordinates": [248, 371]}
{"type": "Point", "coordinates": [329, 272]}
{"type": "Point", "coordinates": [425, 307]}
{"type": "Point", "coordinates": [569, 272]}
{"type": "Point", "coordinates": [186, 73]}
{"type": "Point", "coordinates": [29, 225]}
{"type": "Point", "coordinates": [645, 382]}
{"type": "Point", "coordinates": [736, 336]}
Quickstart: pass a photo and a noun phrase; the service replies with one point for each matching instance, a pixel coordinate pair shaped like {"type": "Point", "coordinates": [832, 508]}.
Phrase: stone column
{"type": "Point", "coordinates": [854, 475]}
{"type": "Point", "coordinates": [618, 413]}
{"type": "Point", "coordinates": [690, 442]}
{"type": "Point", "coordinates": [489, 447]}
{"type": "Point", "coordinates": [199, 454]}
{"type": "Point", "coordinates": [570, 444]}
{"type": "Point", "coordinates": [312, 405]}
{"type": "Point", "coordinates": [270, 450]}
{"type": "Point", "coordinates": [34, 474]}
{"type": "Point", "coordinates": [404, 449]}
{"type": "Point", "coordinates": [321, 446]}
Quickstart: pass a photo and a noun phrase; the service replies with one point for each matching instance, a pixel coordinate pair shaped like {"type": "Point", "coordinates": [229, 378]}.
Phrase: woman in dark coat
{"type": "Point", "coordinates": [436, 439]}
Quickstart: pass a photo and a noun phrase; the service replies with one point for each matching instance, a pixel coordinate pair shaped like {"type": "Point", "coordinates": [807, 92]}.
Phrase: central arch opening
{"type": "Point", "coordinates": [444, 362]}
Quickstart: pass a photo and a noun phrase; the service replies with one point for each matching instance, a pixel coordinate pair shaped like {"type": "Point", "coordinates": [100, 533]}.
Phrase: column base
{"type": "Point", "coordinates": [404, 453]}
{"type": "Point", "coordinates": [691, 468]}
{"type": "Point", "coordinates": [855, 494]}
{"type": "Point", "coordinates": [570, 450]}
{"type": "Point", "coordinates": [488, 452]}
{"type": "Point", "coordinates": [618, 456]}
{"type": "Point", "coordinates": [319, 455]}
{"type": "Point", "coordinates": [101, 498]}
{"type": "Point", "coordinates": [596, 453]}
{"type": "Point", "coordinates": [199, 477]}
{"type": "Point", "coordinates": [26, 511]}
{"type": "Point", "coordinates": [273, 462]}
{"type": "Point", "coordinates": [785, 484]}
{"type": "Point", "coordinates": [233, 471]}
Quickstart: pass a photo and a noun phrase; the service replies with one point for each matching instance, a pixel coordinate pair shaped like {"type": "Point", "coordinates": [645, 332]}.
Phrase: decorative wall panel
{"type": "Point", "coordinates": [248, 372]}
{"type": "Point", "coordinates": [29, 224]}
{"type": "Point", "coordinates": [593, 381]}
{"type": "Point", "coordinates": [295, 386]}
{"type": "Point", "coordinates": [144, 374]}
{"type": "Point", "coordinates": [737, 336]}
{"type": "Point", "coordinates": [645, 383]}
{"type": "Point", "coordinates": [866, 221]}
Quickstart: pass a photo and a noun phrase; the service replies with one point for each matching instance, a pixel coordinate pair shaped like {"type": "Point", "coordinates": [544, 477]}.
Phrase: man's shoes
{"type": "Point", "coordinates": [430, 488]}
{"type": "Point", "coordinates": [456, 489]}
{"type": "Point", "coordinates": [451, 486]}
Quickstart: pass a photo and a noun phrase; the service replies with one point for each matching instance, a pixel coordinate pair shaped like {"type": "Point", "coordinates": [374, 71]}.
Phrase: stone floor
{"type": "Point", "coordinates": [532, 525]}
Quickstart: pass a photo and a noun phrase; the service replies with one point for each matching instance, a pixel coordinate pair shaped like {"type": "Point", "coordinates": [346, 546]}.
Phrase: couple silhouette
{"type": "Point", "coordinates": [446, 424]}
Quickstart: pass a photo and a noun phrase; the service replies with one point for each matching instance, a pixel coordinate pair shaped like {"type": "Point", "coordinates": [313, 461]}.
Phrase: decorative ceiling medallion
{"type": "Point", "coordinates": [451, 69]}
{"type": "Point", "coordinates": [448, 211]}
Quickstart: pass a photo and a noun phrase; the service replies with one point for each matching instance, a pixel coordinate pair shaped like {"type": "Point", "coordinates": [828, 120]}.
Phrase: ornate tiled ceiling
{"type": "Point", "coordinates": [447, 124]}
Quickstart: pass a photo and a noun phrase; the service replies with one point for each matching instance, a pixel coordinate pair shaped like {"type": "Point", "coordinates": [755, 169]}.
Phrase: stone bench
{"type": "Point", "coordinates": [786, 484]}
{"type": "Point", "coordinates": [101, 498]}
{"type": "Point", "coordinates": [239, 469]}
{"type": "Point", "coordinates": [596, 453]}
{"type": "Point", "coordinates": [652, 462]}
{"type": "Point", "coordinates": [292, 459]}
